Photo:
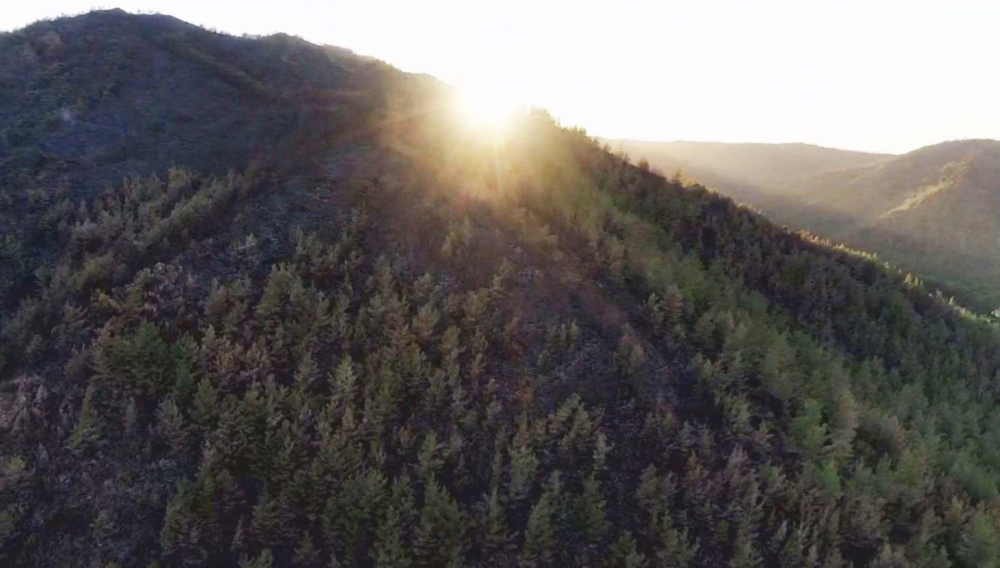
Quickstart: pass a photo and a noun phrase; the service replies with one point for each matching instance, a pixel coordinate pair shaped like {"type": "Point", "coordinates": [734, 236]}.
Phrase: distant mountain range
{"type": "Point", "coordinates": [934, 211]}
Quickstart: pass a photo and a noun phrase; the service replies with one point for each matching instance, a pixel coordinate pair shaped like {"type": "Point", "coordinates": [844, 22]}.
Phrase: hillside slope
{"type": "Point", "coordinates": [86, 102]}
{"type": "Point", "coordinates": [768, 167]}
{"type": "Point", "coordinates": [386, 338]}
{"type": "Point", "coordinates": [932, 211]}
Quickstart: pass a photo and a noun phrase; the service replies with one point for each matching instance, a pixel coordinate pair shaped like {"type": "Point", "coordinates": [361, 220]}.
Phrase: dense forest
{"type": "Point", "coordinates": [362, 333]}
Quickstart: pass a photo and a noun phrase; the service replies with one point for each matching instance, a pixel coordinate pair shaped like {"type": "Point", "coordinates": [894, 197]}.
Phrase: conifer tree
{"type": "Point", "coordinates": [625, 553]}
{"type": "Point", "coordinates": [389, 550]}
{"type": "Point", "coordinates": [87, 432]}
{"type": "Point", "coordinates": [523, 465]}
{"type": "Point", "coordinates": [591, 514]}
{"type": "Point", "coordinates": [980, 545]}
{"type": "Point", "coordinates": [494, 530]}
{"type": "Point", "coordinates": [440, 532]}
{"type": "Point", "coordinates": [540, 533]}
{"type": "Point", "coordinates": [263, 560]}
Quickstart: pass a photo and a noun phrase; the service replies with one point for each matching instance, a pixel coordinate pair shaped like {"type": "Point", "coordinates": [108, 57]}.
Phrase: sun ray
{"type": "Point", "coordinates": [488, 109]}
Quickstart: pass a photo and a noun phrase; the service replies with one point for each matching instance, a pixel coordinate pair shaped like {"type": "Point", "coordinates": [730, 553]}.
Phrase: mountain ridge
{"type": "Point", "coordinates": [378, 337]}
{"type": "Point", "coordinates": [905, 207]}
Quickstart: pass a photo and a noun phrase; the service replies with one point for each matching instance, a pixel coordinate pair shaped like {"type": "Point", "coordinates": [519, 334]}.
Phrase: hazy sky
{"type": "Point", "coordinates": [879, 75]}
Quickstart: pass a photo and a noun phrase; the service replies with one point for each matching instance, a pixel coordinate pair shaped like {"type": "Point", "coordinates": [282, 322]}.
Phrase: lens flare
{"type": "Point", "coordinates": [487, 109]}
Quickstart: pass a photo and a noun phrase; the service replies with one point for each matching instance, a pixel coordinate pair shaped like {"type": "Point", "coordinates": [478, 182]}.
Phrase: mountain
{"type": "Point", "coordinates": [769, 167]}
{"type": "Point", "coordinates": [932, 211]}
{"type": "Point", "coordinates": [326, 322]}
{"type": "Point", "coordinates": [86, 102]}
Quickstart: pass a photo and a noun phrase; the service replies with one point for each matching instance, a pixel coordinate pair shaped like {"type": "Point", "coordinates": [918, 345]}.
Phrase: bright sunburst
{"type": "Point", "coordinates": [487, 109]}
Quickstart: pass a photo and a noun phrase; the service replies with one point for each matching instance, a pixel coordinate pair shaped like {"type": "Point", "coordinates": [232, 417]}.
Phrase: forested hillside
{"type": "Point", "coordinates": [376, 336]}
{"type": "Point", "coordinates": [932, 211]}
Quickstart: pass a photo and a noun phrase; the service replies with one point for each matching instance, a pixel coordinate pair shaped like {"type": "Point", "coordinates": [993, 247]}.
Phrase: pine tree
{"type": "Point", "coordinates": [307, 373]}
{"type": "Point", "coordinates": [355, 512]}
{"type": "Point", "coordinates": [673, 548]}
{"type": "Point", "coordinates": [980, 545]}
{"type": "Point", "coordinates": [744, 553]}
{"type": "Point", "coordinates": [791, 553]}
{"type": "Point", "coordinates": [523, 465]}
{"type": "Point", "coordinates": [179, 536]}
{"type": "Point", "coordinates": [844, 421]}
{"type": "Point", "coordinates": [270, 524]}
{"type": "Point", "coordinates": [425, 321]}
{"type": "Point", "coordinates": [540, 533]}
{"type": "Point", "coordinates": [601, 449]}
{"type": "Point", "coordinates": [389, 550]}
{"type": "Point", "coordinates": [647, 493]}
{"type": "Point", "coordinates": [263, 560]}
{"type": "Point", "coordinates": [204, 408]}
{"type": "Point", "coordinates": [624, 553]}
{"type": "Point", "coordinates": [592, 518]}
{"type": "Point", "coordinates": [343, 383]}
{"type": "Point", "coordinates": [428, 460]}
{"type": "Point", "coordinates": [87, 433]}
{"type": "Point", "coordinates": [807, 431]}
{"type": "Point", "coordinates": [494, 531]}
{"type": "Point", "coordinates": [440, 532]}
{"type": "Point", "coordinates": [171, 429]}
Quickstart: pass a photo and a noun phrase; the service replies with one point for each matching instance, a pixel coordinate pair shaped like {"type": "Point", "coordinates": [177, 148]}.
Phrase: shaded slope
{"type": "Point", "coordinates": [95, 98]}
{"type": "Point", "coordinates": [87, 101]}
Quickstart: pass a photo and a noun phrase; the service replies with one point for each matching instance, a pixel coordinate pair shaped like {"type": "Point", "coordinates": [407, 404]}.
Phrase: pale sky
{"type": "Point", "coordinates": [877, 75]}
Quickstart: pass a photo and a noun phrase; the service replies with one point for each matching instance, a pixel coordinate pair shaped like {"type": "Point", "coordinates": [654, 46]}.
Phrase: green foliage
{"type": "Point", "coordinates": [539, 536]}
{"type": "Point", "coordinates": [549, 357]}
{"type": "Point", "coordinates": [808, 432]}
{"type": "Point", "coordinates": [980, 546]}
{"type": "Point", "coordinates": [625, 554]}
{"type": "Point", "coordinates": [440, 534]}
{"type": "Point", "coordinates": [388, 550]}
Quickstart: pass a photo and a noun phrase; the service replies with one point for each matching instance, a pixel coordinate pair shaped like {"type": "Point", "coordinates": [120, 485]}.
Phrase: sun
{"type": "Point", "coordinates": [487, 109]}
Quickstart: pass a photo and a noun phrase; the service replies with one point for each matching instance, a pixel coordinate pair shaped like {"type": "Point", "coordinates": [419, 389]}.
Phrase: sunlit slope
{"type": "Point", "coordinates": [935, 210]}
{"type": "Point", "coordinates": [932, 211]}
{"type": "Point", "coordinates": [748, 172]}
{"type": "Point", "coordinates": [418, 342]}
